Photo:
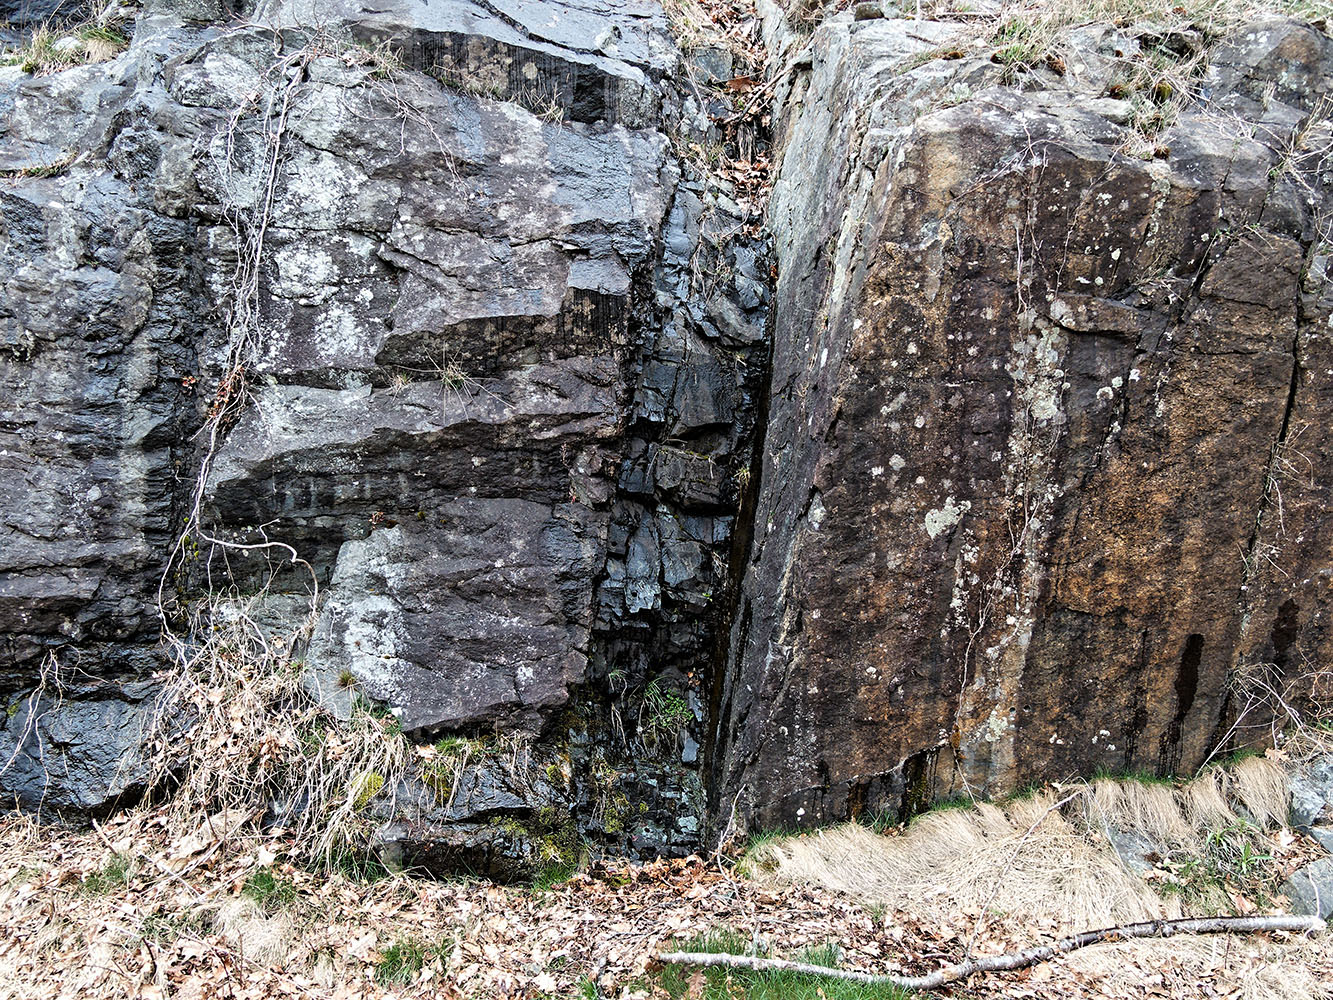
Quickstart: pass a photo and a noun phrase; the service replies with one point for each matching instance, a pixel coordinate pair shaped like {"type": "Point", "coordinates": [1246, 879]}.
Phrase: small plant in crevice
{"type": "Point", "coordinates": [1020, 44]}
{"type": "Point", "coordinates": [53, 47]}
{"type": "Point", "coordinates": [382, 58]}
{"type": "Point", "coordinates": [545, 104]}
{"type": "Point", "coordinates": [458, 387]}
{"type": "Point", "coordinates": [444, 763]}
{"type": "Point", "coordinates": [663, 714]}
{"type": "Point", "coordinates": [52, 168]}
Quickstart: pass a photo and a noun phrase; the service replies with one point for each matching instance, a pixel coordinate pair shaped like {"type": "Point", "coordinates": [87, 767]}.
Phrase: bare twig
{"type": "Point", "coordinates": [1016, 960]}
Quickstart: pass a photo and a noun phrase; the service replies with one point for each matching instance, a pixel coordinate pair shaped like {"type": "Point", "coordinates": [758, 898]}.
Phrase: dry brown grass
{"type": "Point", "coordinates": [54, 46]}
{"type": "Point", "coordinates": [948, 862]}
{"type": "Point", "coordinates": [1040, 867]}
{"type": "Point", "coordinates": [1148, 808]}
{"type": "Point", "coordinates": [237, 734]}
{"type": "Point", "coordinates": [1260, 785]}
{"type": "Point", "coordinates": [265, 939]}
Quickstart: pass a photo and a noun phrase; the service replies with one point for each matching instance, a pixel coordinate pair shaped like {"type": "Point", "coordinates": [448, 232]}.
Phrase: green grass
{"type": "Point", "coordinates": [114, 876]}
{"type": "Point", "coordinates": [1021, 44]}
{"type": "Point", "coordinates": [747, 864]}
{"type": "Point", "coordinates": [102, 33]}
{"type": "Point", "coordinates": [270, 891]}
{"type": "Point", "coordinates": [354, 865]}
{"type": "Point", "coordinates": [1233, 856]}
{"type": "Point", "coordinates": [1231, 759]}
{"type": "Point", "coordinates": [40, 55]}
{"type": "Point", "coordinates": [23, 873]}
{"type": "Point", "coordinates": [953, 803]}
{"type": "Point", "coordinates": [165, 928]}
{"type": "Point", "coordinates": [552, 875]}
{"type": "Point", "coordinates": [733, 984]}
{"type": "Point", "coordinates": [403, 960]}
{"type": "Point", "coordinates": [1137, 777]}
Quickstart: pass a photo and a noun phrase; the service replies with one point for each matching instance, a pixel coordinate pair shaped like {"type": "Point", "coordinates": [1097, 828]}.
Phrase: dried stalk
{"type": "Point", "coordinates": [1005, 963]}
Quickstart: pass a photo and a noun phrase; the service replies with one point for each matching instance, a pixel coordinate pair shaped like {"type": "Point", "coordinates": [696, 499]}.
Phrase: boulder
{"type": "Point", "coordinates": [1312, 793]}
{"type": "Point", "coordinates": [1311, 889]}
{"type": "Point", "coordinates": [488, 400]}
{"type": "Point", "coordinates": [77, 750]}
{"type": "Point", "coordinates": [1044, 471]}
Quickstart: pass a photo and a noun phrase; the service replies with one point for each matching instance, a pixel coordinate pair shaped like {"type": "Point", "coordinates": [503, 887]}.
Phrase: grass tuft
{"type": "Point", "coordinates": [270, 891]}
{"type": "Point", "coordinates": [403, 961]}
{"type": "Point", "coordinates": [733, 984]}
{"type": "Point", "coordinates": [114, 876]}
{"type": "Point", "coordinates": [53, 47]}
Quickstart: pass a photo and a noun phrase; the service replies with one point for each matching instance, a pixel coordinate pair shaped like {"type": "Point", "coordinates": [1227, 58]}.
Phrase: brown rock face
{"type": "Point", "coordinates": [1046, 473]}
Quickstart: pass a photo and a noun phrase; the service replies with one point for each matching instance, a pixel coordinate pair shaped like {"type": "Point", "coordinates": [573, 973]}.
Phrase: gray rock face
{"type": "Point", "coordinates": [78, 751]}
{"type": "Point", "coordinates": [587, 61]}
{"type": "Point", "coordinates": [1311, 889]}
{"type": "Point", "coordinates": [1312, 794]}
{"type": "Point", "coordinates": [490, 403]}
{"type": "Point", "coordinates": [1034, 483]}
{"type": "Point", "coordinates": [1136, 852]}
{"type": "Point", "coordinates": [406, 613]}
{"type": "Point", "coordinates": [1036, 385]}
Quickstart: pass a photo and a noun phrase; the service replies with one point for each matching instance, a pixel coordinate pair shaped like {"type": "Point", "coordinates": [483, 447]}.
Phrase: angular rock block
{"type": "Point", "coordinates": [1046, 467]}
{"type": "Point", "coordinates": [479, 615]}
{"type": "Point", "coordinates": [489, 403]}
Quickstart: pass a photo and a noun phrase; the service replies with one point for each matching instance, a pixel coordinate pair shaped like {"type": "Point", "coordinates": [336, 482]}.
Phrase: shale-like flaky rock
{"type": "Point", "coordinates": [1046, 474]}
{"type": "Point", "coordinates": [489, 404]}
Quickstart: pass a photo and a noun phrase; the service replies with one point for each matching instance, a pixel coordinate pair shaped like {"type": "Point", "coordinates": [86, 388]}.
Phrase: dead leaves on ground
{"type": "Point", "coordinates": [176, 924]}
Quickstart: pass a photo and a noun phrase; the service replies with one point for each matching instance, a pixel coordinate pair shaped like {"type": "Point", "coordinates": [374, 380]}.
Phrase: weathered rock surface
{"type": "Point", "coordinates": [1311, 889]}
{"type": "Point", "coordinates": [84, 747]}
{"type": "Point", "coordinates": [491, 405]}
{"type": "Point", "coordinates": [1036, 481]}
{"type": "Point", "coordinates": [1046, 471]}
{"type": "Point", "coordinates": [1312, 793]}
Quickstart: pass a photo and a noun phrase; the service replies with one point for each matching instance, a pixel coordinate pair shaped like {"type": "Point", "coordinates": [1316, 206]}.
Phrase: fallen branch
{"type": "Point", "coordinates": [1004, 963]}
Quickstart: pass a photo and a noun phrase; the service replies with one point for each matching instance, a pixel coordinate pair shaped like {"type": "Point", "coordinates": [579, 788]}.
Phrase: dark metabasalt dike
{"type": "Point", "coordinates": [1018, 470]}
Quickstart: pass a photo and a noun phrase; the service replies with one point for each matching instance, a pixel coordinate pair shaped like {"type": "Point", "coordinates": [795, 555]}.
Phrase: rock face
{"type": "Point", "coordinates": [490, 401]}
{"type": "Point", "coordinates": [1311, 889]}
{"type": "Point", "coordinates": [91, 737]}
{"type": "Point", "coordinates": [1032, 482]}
{"type": "Point", "coordinates": [1047, 463]}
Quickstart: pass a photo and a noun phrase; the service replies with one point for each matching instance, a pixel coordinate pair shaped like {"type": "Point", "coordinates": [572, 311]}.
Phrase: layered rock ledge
{"type": "Point", "coordinates": [1008, 462]}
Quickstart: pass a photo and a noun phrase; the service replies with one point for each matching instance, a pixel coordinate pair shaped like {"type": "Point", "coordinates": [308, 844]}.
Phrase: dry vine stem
{"type": "Point", "coordinates": [1005, 963]}
{"type": "Point", "coordinates": [234, 726]}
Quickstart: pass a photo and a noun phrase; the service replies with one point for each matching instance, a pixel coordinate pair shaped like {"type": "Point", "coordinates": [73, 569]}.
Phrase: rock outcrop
{"type": "Point", "coordinates": [1046, 471]}
{"type": "Point", "coordinates": [506, 347]}
{"type": "Point", "coordinates": [1032, 482]}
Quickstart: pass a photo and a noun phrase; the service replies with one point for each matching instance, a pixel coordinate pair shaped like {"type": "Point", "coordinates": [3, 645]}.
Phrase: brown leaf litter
{"type": "Point", "coordinates": [125, 910]}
